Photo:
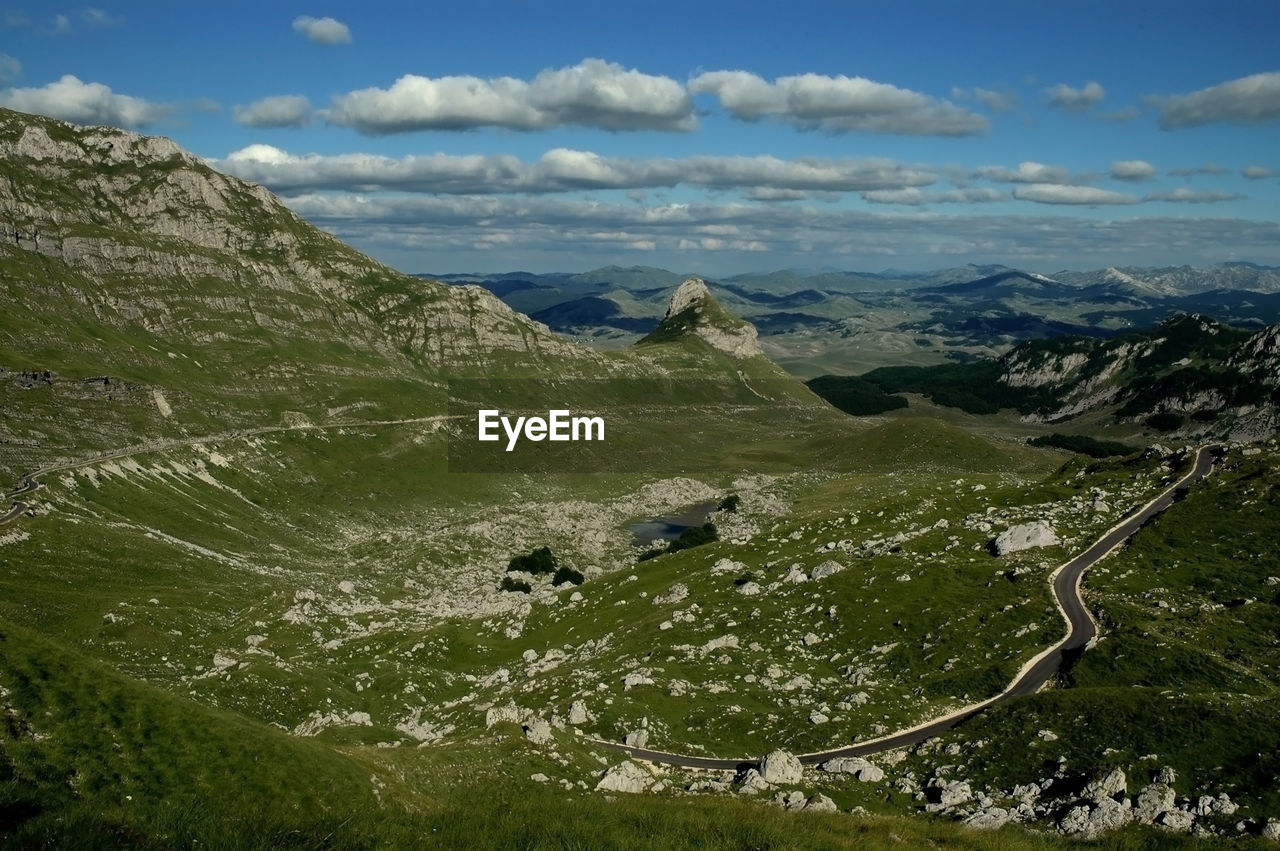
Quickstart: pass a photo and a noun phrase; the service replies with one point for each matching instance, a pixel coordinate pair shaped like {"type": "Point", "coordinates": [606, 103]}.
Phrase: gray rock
{"type": "Point", "coordinates": [1153, 801]}
{"type": "Point", "coordinates": [637, 738]}
{"type": "Point", "coordinates": [1165, 775]}
{"type": "Point", "coordinates": [578, 713]}
{"type": "Point", "coordinates": [1271, 830]}
{"type": "Point", "coordinates": [822, 804]}
{"type": "Point", "coordinates": [867, 772]}
{"type": "Point", "coordinates": [537, 731]}
{"type": "Point", "coordinates": [954, 794]}
{"type": "Point", "coordinates": [793, 800]}
{"type": "Point", "coordinates": [509, 713]}
{"type": "Point", "coordinates": [989, 819]}
{"type": "Point", "coordinates": [748, 589]}
{"type": "Point", "coordinates": [753, 783]}
{"type": "Point", "coordinates": [1024, 537]}
{"type": "Point", "coordinates": [1107, 787]}
{"type": "Point", "coordinates": [781, 768]}
{"type": "Point", "coordinates": [827, 568]}
{"type": "Point", "coordinates": [1176, 820]}
{"type": "Point", "coordinates": [1091, 822]}
{"type": "Point", "coordinates": [625, 777]}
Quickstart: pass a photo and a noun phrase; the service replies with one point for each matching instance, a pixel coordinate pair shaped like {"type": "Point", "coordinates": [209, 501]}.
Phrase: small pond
{"type": "Point", "coordinates": [669, 526]}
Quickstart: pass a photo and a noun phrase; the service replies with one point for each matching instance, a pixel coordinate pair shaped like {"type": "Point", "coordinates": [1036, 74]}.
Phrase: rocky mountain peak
{"type": "Point", "coordinates": [694, 311]}
{"type": "Point", "coordinates": [689, 294]}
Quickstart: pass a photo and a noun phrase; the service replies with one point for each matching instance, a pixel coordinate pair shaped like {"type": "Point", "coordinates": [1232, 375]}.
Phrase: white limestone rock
{"type": "Point", "coordinates": [1025, 536]}
{"type": "Point", "coordinates": [625, 777]}
{"type": "Point", "coordinates": [867, 772]}
{"type": "Point", "coordinates": [780, 768]}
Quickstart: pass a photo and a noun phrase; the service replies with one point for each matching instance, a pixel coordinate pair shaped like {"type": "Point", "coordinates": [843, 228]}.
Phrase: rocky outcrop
{"type": "Point", "coordinates": [867, 772]}
{"type": "Point", "coordinates": [694, 311]}
{"type": "Point", "coordinates": [625, 777]}
{"type": "Point", "coordinates": [1024, 536]}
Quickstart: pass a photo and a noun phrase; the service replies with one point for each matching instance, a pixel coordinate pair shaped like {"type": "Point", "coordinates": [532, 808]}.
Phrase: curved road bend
{"type": "Point", "coordinates": [1081, 633]}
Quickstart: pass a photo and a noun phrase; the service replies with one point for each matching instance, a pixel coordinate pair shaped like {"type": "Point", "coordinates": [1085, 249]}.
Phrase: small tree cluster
{"type": "Point", "coordinates": [729, 503]}
{"type": "Point", "coordinates": [537, 562]}
{"type": "Point", "coordinates": [567, 575]}
{"type": "Point", "coordinates": [510, 583]}
{"type": "Point", "coordinates": [694, 536]}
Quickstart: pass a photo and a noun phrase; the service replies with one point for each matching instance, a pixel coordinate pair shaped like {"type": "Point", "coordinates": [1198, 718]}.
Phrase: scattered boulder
{"type": "Point", "coordinates": [793, 800]}
{"type": "Point", "coordinates": [1165, 775]}
{"type": "Point", "coordinates": [795, 575]}
{"type": "Point", "coordinates": [625, 777]}
{"type": "Point", "coordinates": [952, 794]}
{"type": "Point", "coordinates": [1179, 821]}
{"type": "Point", "coordinates": [636, 678]}
{"type": "Point", "coordinates": [1025, 536]}
{"type": "Point", "coordinates": [578, 713]}
{"type": "Point", "coordinates": [753, 783]}
{"type": "Point", "coordinates": [822, 804]}
{"type": "Point", "coordinates": [1271, 830]}
{"type": "Point", "coordinates": [780, 768]}
{"type": "Point", "coordinates": [867, 772]}
{"type": "Point", "coordinates": [509, 713]}
{"type": "Point", "coordinates": [827, 568]}
{"type": "Point", "coordinates": [637, 738]}
{"type": "Point", "coordinates": [1091, 822]}
{"type": "Point", "coordinates": [537, 731]}
{"type": "Point", "coordinates": [811, 639]}
{"type": "Point", "coordinates": [1153, 801]}
{"type": "Point", "coordinates": [1107, 787]}
{"type": "Point", "coordinates": [748, 589]}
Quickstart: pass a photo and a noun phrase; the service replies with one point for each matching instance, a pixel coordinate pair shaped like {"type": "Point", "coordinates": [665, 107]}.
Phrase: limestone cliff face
{"type": "Point", "coordinates": [151, 235]}
{"type": "Point", "coordinates": [694, 311]}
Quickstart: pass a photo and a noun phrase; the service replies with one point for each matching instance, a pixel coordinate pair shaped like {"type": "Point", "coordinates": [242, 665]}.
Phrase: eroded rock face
{"type": "Point", "coordinates": [860, 768]}
{"type": "Point", "coordinates": [693, 304]}
{"type": "Point", "coordinates": [780, 768]}
{"type": "Point", "coordinates": [1025, 536]}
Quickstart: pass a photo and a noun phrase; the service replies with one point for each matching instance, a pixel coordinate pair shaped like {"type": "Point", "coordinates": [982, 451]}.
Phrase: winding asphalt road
{"type": "Point", "coordinates": [1081, 631]}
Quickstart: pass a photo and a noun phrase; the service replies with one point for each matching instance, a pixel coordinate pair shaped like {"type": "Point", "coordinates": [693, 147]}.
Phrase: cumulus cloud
{"type": "Point", "coordinates": [85, 103]}
{"type": "Point", "coordinates": [1026, 172]}
{"type": "Point", "coordinates": [915, 197]}
{"type": "Point", "coordinates": [10, 68]}
{"type": "Point", "coordinates": [322, 30]}
{"type": "Point", "coordinates": [275, 111]}
{"type": "Point", "coordinates": [593, 93]}
{"type": "Point", "coordinates": [1065, 97]}
{"type": "Point", "coordinates": [564, 170]}
{"type": "Point", "coordinates": [1135, 170]}
{"type": "Point", "coordinates": [1247, 100]}
{"type": "Point", "coordinates": [1192, 196]}
{"type": "Point", "coordinates": [1053, 193]}
{"type": "Point", "coordinates": [1257, 172]}
{"type": "Point", "coordinates": [993, 100]}
{"type": "Point", "coordinates": [837, 104]}
{"type": "Point", "coordinates": [61, 25]}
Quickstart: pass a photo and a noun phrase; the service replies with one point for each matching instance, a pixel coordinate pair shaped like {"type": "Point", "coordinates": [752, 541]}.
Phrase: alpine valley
{"type": "Point", "coordinates": [257, 590]}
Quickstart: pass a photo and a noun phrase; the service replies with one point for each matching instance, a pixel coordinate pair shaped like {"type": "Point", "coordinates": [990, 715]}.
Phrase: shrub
{"type": "Point", "coordinates": [1083, 444]}
{"type": "Point", "coordinates": [567, 574]}
{"type": "Point", "coordinates": [510, 583]}
{"type": "Point", "coordinates": [729, 503]}
{"type": "Point", "coordinates": [1164, 421]}
{"type": "Point", "coordinates": [537, 562]}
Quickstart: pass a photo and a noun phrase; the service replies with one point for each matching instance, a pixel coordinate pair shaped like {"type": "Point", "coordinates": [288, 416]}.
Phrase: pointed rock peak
{"type": "Point", "coordinates": [688, 294]}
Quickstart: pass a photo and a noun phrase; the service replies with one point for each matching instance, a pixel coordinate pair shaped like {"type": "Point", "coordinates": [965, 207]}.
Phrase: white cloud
{"type": "Point", "coordinates": [1246, 100]}
{"type": "Point", "coordinates": [1192, 196]}
{"type": "Point", "coordinates": [275, 111]}
{"type": "Point", "coordinates": [61, 25]}
{"type": "Point", "coordinates": [593, 93]}
{"type": "Point", "coordinates": [1257, 172]}
{"type": "Point", "coordinates": [85, 103]}
{"type": "Point", "coordinates": [322, 30]}
{"type": "Point", "coordinates": [1053, 193]}
{"type": "Point", "coordinates": [997, 101]}
{"type": "Point", "coordinates": [565, 170]}
{"type": "Point", "coordinates": [10, 68]}
{"type": "Point", "coordinates": [1026, 172]}
{"type": "Point", "coordinates": [96, 18]}
{"type": "Point", "coordinates": [837, 104]}
{"type": "Point", "coordinates": [915, 197]}
{"type": "Point", "coordinates": [1065, 97]}
{"type": "Point", "coordinates": [1135, 170]}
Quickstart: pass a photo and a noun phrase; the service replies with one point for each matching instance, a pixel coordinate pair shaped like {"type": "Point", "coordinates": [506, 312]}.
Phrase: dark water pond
{"type": "Point", "coordinates": [669, 526]}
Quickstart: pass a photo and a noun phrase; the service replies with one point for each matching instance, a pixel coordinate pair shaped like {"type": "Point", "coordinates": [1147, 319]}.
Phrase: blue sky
{"type": "Point", "coordinates": [705, 137]}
